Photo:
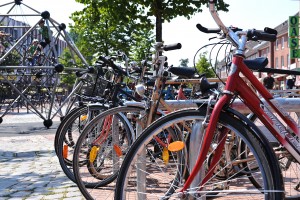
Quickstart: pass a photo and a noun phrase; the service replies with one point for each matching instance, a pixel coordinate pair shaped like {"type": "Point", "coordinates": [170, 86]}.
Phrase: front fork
{"type": "Point", "coordinates": [204, 143]}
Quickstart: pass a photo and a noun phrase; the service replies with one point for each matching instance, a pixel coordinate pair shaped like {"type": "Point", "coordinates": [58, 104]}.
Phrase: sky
{"type": "Point", "coordinates": [245, 14]}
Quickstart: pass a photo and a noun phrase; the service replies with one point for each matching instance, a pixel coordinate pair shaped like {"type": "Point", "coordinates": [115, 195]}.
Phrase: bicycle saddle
{"type": "Point", "coordinates": [257, 63]}
{"type": "Point", "coordinates": [183, 72]}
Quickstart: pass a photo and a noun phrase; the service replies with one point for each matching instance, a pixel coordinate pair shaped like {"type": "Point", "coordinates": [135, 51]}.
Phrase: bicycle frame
{"type": "Point", "coordinates": [264, 111]}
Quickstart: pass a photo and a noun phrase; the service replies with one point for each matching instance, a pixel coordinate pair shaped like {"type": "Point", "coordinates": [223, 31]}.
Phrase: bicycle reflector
{"type": "Point", "coordinates": [93, 153]}
{"type": "Point", "coordinates": [83, 117]}
{"type": "Point", "coordinates": [165, 155]}
{"type": "Point", "coordinates": [118, 150]}
{"type": "Point", "coordinates": [176, 146]}
{"type": "Point", "coordinates": [65, 151]}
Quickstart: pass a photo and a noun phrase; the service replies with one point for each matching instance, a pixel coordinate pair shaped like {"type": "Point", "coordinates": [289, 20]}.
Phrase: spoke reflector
{"type": "Point", "coordinates": [118, 150]}
{"type": "Point", "coordinates": [165, 155]}
{"type": "Point", "coordinates": [93, 153]}
{"type": "Point", "coordinates": [65, 151]}
{"type": "Point", "coordinates": [176, 146]}
{"type": "Point", "coordinates": [83, 117]}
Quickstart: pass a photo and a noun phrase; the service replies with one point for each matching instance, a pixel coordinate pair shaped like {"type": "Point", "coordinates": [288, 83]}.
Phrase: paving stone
{"type": "Point", "coordinates": [20, 194]}
{"type": "Point", "coordinates": [54, 196]}
{"type": "Point", "coordinates": [73, 194]}
{"type": "Point", "coordinates": [30, 170]}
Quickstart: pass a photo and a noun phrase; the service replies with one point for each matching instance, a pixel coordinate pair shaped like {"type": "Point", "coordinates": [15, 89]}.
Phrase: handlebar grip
{"type": "Point", "coordinates": [206, 30]}
{"type": "Point", "coordinates": [113, 65]}
{"type": "Point", "coordinates": [89, 70]}
{"type": "Point", "coordinates": [270, 30]}
{"type": "Point", "coordinates": [171, 47]}
{"type": "Point", "coordinates": [260, 35]}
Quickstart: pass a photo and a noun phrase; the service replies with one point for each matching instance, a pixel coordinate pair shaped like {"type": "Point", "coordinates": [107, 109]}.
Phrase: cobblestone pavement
{"type": "Point", "coordinates": [29, 168]}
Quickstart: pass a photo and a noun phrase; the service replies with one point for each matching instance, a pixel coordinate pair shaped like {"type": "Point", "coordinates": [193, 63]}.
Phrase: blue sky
{"type": "Point", "coordinates": [242, 13]}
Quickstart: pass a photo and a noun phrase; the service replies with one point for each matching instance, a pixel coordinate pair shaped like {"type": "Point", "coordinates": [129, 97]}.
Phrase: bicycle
{"type": "Point", "coordinates": [231, 151]}
{"type": "Point", "coordinates": [107, 96]}
{"type": "Point", "coordinates": [104, 164]}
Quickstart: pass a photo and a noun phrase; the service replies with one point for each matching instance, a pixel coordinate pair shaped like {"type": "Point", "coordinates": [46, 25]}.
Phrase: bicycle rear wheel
{"type": "Point", "coordinates": [144, 178]}
{"type": "Point", "coordinates": [100, 150]}
{"type": "Point", "coordinates": [289, 166]}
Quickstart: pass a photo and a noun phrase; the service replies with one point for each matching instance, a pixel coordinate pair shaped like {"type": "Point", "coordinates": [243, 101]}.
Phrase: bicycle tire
{"type": "Point", "coordinates": [158, 181]}
{"type": "Point", "coordinates": [289, 166]}
{"type": "Point", "coordinates": [69, 133]}
{"type": "Point", "coordinates": [103, 170]}
{"type": "Point", "coordinates": [61, 125]}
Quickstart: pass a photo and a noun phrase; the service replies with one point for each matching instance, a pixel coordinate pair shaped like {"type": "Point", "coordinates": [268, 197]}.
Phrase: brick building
{"type": "Point", "coordinates": [278, 53]}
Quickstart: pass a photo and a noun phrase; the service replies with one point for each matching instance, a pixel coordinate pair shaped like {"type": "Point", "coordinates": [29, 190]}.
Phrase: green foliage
{"type": "Point", "coordinates": [67, 60]}
{"type": "Point", "coordinates": [203, 66]}
{"type": "Point", "coordinates": [105, 27]}
{"type": "Point", "coordinates": [13, 59]}
{"type": "Point", "coordinates": [184, 62]}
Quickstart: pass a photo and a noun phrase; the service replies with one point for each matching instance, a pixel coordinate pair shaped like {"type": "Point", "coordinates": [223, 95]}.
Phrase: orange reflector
{"type": "Point", "coordinates": [83, 117]}
{"type": "Point", "coordinates": [118, 150]}
{"type": "Point", "coordinates": [165, 155]}
{"type": "Point", "coordinates": [65, 151]}
{"type": "Point", "coordinates": [176, 146]}
{"type": "Point", "coordinates": [93, 153]}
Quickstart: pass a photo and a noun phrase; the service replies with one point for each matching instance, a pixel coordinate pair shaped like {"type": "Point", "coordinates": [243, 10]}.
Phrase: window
{"type": "Point", "coordinates": [276, 44]}
{"type": "Point", "coordinates": [282, 42]}
{"type": "Point", "coordinates": [276, 63]}
{"type": "Point", "coordinates": [282, 62]}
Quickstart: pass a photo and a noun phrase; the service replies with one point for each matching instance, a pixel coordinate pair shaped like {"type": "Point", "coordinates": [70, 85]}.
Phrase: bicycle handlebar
{"type": "Point", "coordinates": [89, 70]}
{"type": "Point", "coordinates": [171, 47]}
{"type": "Point", "coordinates": [260, 35]}
{"type": "Point", "coordinates": [207, 30]}
{"type": "Point", "coordinates": [270, 30]}
{"type": "Point", "coordinates": [113, 65]}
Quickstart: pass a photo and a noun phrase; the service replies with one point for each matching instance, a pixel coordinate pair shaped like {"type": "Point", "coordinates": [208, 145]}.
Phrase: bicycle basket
{"type": "Point", "coordinates": [97, 89]}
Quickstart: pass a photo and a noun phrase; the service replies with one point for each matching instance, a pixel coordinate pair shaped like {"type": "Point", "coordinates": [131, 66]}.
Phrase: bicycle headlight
{"type": "Point", "coordinates": [140, 89]}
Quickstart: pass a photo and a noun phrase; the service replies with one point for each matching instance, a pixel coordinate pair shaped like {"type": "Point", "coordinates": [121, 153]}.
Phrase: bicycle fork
{"type": "Point", "coordinates": [197, 161]}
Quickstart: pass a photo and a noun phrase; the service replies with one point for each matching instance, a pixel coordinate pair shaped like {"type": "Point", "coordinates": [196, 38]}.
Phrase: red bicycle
{"type": "Point", "coordinates": [225, 155]}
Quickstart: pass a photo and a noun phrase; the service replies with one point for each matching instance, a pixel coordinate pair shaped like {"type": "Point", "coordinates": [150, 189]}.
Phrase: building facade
{"type": "Point", "coordinates": [278, 54]}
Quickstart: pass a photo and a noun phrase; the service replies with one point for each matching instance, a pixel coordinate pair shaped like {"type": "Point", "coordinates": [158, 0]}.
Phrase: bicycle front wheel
{"type": "Point", "coordinates": [100, 150]}
{"type": "Point", "coordinates": [224, 174]}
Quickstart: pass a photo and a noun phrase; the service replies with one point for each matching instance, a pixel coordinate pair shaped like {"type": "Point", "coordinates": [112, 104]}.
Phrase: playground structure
{"type": "Point", "coordinates": [35, 85]}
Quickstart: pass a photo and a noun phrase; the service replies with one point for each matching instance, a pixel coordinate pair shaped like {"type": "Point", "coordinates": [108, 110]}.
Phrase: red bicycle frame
{"type": "Point", "coordinates": [236, 85]}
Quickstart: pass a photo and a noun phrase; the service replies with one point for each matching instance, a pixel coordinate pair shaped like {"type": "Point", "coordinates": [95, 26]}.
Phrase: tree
{"type": "Point", "coordinates": [203, 66]}
{"type": "Point", "coordinates": [184, 62]}
{"type": "Point", "coordinates": [142, 12]}
{"type": "Point", "coordinates": [109, 26]}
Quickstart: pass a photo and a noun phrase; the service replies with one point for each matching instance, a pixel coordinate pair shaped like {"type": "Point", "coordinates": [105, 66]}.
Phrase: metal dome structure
{"type": "Point", "coordinates": [33, 80]}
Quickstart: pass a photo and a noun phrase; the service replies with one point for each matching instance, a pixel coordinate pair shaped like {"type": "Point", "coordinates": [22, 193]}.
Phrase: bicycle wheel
{"type": "Point", "coordinates": [61, 125]}
{"type": "Point", "coordinates": [289, 166]}
{"type": "Point", "coordinates": [70, 130]}
{"type": "Point", "coordinates": [100, 150]}
{"type": "Point", "coordinates": [221, 176]}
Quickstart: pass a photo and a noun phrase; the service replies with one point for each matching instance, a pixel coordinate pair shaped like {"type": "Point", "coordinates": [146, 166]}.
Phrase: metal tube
{"type": "Point", "coordinates": [289, 104]}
